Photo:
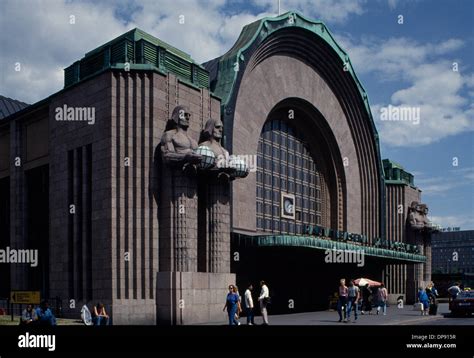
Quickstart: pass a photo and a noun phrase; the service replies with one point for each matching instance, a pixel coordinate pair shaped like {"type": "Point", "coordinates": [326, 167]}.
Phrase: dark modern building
{"type": "Point", "coordinates": [453, 252]}
{"type": "Point", "coordinates": [78, 179]}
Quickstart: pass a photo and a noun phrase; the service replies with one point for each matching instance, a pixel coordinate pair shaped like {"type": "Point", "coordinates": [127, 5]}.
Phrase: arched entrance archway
{"type": "Point", "coordinates": [297, 158]}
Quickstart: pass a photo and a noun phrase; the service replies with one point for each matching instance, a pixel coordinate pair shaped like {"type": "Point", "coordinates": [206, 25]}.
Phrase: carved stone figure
{"type": "Point", "coordinates": [177, 195]}
{"type": "Point", "coordinates": [417, 217]}
{"type": "Point", "coordinates": [211, 139]}
{"type": "Point", "coordinates": [177, 147]}
{"type": "Point", "coordinates": [419, 234]}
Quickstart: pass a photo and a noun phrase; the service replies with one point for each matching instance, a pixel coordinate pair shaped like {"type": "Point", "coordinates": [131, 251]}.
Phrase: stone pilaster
{"type": "Point", "coordinates": [427, 264]}
{"type": "Point", "coordinates": [178, 221]}
{"type": "Point", "coordinates": [18, 235]}
{"type": "Point", "coordinates": [218, 196]}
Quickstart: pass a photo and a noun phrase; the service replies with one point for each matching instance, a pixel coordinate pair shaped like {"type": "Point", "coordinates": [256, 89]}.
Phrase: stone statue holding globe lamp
{"type": "Point", "coordinates": [214, 156]}
{"type": "Point", "coordinates": [177, 147]}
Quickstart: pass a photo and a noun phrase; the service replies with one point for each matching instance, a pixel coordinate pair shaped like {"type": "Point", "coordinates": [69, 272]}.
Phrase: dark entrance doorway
{"type": "Point", "coordinates": [299, 279]}
{"type": "Point", "coordinates": [37, 226]}
{"type": "Point", "coordinates": [4, 234]}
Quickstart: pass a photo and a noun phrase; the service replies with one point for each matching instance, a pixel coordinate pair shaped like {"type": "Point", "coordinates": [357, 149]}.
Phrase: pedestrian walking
{"type": "Point", "coordinates": [432, 293]}
{"type": "Point", "coordinates": [249, 305]}
{"type": "Point", "coordinates": [231, 304]}
{"type": "Point", "coordinates": [342, 300]}
{"type": "Point", "coordinates": [264, 300]}
{"type": "Point", "coordinates": [366, 295]}
{"type": "Point", "coordinates": [239, 303]}
{"type": "Point", "coordinates": [353, 300]}
{"type": "Point", "coordinates": [425, 304]}
{"type": "Point", "coordinates": [382, 296]}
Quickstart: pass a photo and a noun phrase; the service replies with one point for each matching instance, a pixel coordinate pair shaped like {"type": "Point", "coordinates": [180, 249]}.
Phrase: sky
{"type": "Point", "coordinates": [412, 54]}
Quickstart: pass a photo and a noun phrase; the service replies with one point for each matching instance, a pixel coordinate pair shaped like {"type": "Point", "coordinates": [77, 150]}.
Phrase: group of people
{"type": "Point", "coordinates": [233, 304]}
{"type": "Point", "coordinates": [427, 298]}
{"type": "Point", "coordinates": [41, 315]}
{"type": "Point", "coordinates": [349, 298]}
{"type": "Point", "coordinates": [98, 317]}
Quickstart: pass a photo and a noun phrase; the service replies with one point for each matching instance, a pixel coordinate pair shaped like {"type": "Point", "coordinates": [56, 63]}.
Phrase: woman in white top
{"type": "Point", "coordinates": [249, 305]}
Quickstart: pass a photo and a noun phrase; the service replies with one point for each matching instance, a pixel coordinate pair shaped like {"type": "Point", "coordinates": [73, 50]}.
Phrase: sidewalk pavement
{"type": "Point", "coordinates": [395, 316]}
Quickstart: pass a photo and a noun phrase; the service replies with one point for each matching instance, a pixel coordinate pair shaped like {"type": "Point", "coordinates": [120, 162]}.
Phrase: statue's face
{"type": "Point", "coordinates": [217, 133]}
{"type": "Point", "coordinates": [183, 118]}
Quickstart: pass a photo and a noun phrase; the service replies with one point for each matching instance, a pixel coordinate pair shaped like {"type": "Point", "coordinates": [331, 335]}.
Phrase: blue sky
{"type": "Point", "coordinates": [409, 64]}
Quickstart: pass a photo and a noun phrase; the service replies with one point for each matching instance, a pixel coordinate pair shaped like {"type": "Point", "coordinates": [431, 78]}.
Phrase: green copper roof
{"type": "Point", "coordinates": [396, 174]}
{"type": "Point", "coordinates": [322, 244]}
{"type": "Point", "coordinates": [137, 35]}
{"type": "Point", "coordinates": [142, 52]}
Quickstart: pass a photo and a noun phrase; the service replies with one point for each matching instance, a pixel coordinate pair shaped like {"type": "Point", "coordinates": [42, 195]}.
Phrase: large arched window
{"type": "Point", "coordinates": [286, 170]}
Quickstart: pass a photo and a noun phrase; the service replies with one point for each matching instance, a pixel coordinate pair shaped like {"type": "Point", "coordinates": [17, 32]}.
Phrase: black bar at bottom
{"type": "Point", "coordinates": [444, 340]}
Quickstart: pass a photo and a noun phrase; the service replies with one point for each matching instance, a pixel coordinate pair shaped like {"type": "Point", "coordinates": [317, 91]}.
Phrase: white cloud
{"type": "Point", "coordinates": [39, 36]}
{"type": "Point", "coordinates": [331, 11]}
{"type": "Point", "coordinates": [448, 46]}
{"type": "Point", "coordinates": [439, 186]}
{"type": "Point", "coordinates": [392, 4]}
{"type": "Point", "coordinates": [429, 84]}
{"type": "Point", "coordinates": [469, 80]}
{"type": "Point", "coordinates": [391, 58]}
{"type": "Point", "coordinates": [435, 186]}
{"type": "Point", "coordinates": [207, 32]}
{"type": "Point", "coordinates": [461, 220]}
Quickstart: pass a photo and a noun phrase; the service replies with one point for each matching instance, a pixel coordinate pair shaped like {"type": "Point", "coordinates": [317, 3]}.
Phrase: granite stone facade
{"type": "Point", "coordinates": [400, 278]}
{"type": "Point", "coordinates": [152, 243]}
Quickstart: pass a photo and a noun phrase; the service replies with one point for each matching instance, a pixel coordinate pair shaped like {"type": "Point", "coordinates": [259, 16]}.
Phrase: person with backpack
{"type": "Point", "coordinates": [231, 304]}
{"type": "Point", "coordinates": [264, 300]}
{"type": "Point", "coordinates": [353, 300]}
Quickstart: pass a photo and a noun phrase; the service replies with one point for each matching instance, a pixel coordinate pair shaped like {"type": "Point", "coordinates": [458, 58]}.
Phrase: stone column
{"type": "Point", "coordinates": [185, 296]}
{"type": "Point", "coordinates": [414, 278]}
{"type": "Point", "coordinates": [218, 196]}
{"type": "Point", "coordinates": [419, 272]}
{"type": "Point", "coordinates": [18, 233]}
{"type": "Point", "coordinates": [427, 264]}
{"type": "Point", "coordinates": [178, 221]}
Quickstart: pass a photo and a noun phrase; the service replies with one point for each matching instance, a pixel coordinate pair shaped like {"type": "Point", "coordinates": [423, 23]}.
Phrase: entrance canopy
{"type": "Point", "coordinates": [311, 242]}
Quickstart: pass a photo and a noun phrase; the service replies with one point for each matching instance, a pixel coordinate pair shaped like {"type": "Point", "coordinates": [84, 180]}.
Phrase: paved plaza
{"type": "Point", "coordinates": [395, 316]}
